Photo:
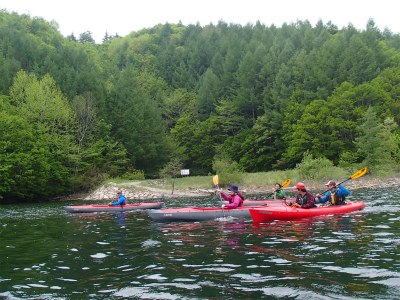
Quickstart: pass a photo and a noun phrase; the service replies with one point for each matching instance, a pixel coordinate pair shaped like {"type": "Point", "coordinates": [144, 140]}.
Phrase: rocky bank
{"type": "Point", "coordinates": [135, 191]}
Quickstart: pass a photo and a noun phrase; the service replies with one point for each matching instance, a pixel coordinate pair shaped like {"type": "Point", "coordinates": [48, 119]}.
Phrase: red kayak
{"type": "Point", "coordinates": [284, 212]}
{"type": "Point", "coordinates": [118, 208]}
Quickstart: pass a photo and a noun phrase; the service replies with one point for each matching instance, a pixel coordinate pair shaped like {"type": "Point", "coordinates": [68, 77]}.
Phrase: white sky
{"type": "Point", "coordinates": [124, 16]}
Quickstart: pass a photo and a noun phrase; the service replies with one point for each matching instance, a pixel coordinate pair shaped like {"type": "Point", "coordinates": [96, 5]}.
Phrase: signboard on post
{"type": "Point", "coordinates": [185, 172]}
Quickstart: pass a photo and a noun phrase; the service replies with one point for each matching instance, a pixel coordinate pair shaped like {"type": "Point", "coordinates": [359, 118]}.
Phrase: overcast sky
{"type": "Point", "coordinates": [124, 16]}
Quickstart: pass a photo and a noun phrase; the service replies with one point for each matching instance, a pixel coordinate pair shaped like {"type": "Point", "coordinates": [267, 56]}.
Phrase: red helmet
{"type": "Point", "coordinates": [300, 185]}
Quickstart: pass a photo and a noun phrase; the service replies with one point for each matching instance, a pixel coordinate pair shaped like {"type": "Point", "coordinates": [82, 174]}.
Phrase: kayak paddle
{"type": "Point", "coordinates": [354, 176]}
{"type": "Point", "coordinates": [216, 181]}
{"type": "Point", "coordinates": [286, 183]}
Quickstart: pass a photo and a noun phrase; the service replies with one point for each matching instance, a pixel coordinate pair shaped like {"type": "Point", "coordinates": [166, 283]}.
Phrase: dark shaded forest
{"type": "Point", "coordinates": [73, 113]}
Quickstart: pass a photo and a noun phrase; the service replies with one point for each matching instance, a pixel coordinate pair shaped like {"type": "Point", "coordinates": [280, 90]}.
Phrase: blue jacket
{"type": "Point", "coordinates": [121, 200]}
{"type": "Point", "coordinates": [341, 191]}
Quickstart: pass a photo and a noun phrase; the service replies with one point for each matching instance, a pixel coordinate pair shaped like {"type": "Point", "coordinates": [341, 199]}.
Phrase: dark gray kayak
{"type": "Point", "coordinates": [197, 213]}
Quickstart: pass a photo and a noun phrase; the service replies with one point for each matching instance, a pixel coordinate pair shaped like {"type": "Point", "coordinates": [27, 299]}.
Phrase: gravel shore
{"type": "Point", "coordinates": [136, 191]}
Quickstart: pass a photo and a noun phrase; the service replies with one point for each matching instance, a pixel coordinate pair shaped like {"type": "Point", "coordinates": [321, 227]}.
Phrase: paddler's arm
{"type": "Point", "coordinates": [120, 200]}
{"type": "Point", "coordinates": [323, 199]}
{"type": "Point", "coordinates": [235, 203]}
{"type": "Point", "coordinates": [224, 196]}
{"type": "Point", "coordinates": [287, 203]}
{"type": "Point", "coordinates": [342, 191]}
{"type": "Point", "coordinates": [280, 194]}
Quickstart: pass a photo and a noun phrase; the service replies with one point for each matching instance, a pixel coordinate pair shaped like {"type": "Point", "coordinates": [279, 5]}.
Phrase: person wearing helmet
{"type": "Point", "coordinates": [336, 194]}
{"type": "Point", "coordinates": [235, 199]}
{"type": "Point", "coordinates": [121, 200]}
{"type": "Point", "coordinates": [304, 198]}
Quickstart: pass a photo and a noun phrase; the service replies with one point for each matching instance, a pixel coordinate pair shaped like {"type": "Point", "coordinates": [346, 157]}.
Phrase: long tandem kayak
{"type": "Point", "coordinates": [117, 208]}
{"type": "Point", "coordinates": [284, 212]}
{"type": "Point", "coordinates": [197, 213]}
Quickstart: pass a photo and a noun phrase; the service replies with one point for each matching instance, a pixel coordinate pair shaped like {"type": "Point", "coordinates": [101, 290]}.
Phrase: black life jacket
{"type": "Point", "coordinates": [335, 199]}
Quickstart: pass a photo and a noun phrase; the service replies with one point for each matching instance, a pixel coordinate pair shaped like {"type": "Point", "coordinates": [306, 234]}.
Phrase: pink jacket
{"type": "Point", "coordinates": [235, 201]}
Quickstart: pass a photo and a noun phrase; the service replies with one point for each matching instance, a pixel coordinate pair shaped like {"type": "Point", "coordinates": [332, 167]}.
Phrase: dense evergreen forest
{"type": "Point", "coordinates": [73, 112]}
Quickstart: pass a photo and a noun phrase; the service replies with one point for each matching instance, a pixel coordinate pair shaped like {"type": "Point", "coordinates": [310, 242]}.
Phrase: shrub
{"type": "Point", "coordinates": [311, 168]}
{"type": "Point", "coordinates": [229, 172]}
{"type": "Point", "coordinates": [133, 174]}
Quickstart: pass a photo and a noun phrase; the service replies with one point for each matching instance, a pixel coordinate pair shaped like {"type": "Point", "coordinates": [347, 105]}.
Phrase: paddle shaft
{"type": "Point", "coordinates": [216, 181]}
{"type": "Point", "coordinates": [220, 197]}
{"type": "Point", "coordinates": [354, 176]}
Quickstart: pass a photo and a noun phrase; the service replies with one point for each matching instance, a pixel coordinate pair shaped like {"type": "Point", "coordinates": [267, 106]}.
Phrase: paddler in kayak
{"type": "Point", "coordinates": [121, 200]}
{"type": "Point", "coordinates": [304, 198]}
{"type": "Point", "coordinates": [336, 194]}
{"type": "Point", "coordinates": [279, 193]}
{"type": "Point", "coordinates": [235, 199]}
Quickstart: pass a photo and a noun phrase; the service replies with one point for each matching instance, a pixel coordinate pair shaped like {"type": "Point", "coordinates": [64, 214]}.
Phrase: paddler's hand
{"type": "Point", "coordinates": [223, 205]}
{"type": "Point", "coordinates": [318, 196]}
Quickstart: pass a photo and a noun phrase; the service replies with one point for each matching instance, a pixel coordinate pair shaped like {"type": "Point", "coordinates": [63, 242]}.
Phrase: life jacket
{"type": "Point", "coordinates": [303, 199]}
{"type": "Point", "coordinates": [231, 200]}
{"type": "Point", "coordinates": [335, 199]}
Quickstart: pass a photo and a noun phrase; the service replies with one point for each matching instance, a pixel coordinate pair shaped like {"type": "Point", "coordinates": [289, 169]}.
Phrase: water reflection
{"type": "Point", "coordinates": [127, 255]}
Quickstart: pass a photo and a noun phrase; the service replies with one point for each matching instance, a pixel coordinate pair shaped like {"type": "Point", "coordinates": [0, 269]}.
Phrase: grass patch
{"type": "Point", "coordinates": [260, 180]}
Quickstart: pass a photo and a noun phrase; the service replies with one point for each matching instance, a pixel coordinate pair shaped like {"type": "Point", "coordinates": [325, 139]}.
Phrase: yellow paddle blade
{"type": "Point", "coordinates": [359, 173]}
{"type": "Point", "coordinates": [286, 183]}
{"type": "Point", "coordinates": [215, 180]}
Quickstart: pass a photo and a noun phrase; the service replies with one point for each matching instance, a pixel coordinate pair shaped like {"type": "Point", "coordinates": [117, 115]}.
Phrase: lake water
{"type": "Point", "coordinates": [46, 253]}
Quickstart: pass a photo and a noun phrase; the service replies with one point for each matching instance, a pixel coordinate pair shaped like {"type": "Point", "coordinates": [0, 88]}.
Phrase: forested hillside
{"type": "Point", "coordinates": [73, 112]}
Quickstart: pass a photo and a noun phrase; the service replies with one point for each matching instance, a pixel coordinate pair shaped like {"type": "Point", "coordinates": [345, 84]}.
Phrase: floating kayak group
{"type": "Point", "coordinates": [260, 213]}
{"type": "Point", "coordinates": [259, 210]}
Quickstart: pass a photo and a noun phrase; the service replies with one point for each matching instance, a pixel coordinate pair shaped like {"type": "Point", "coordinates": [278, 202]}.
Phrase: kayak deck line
{"type": "Point", "coordinates": [256, 202]}
{"type": "Point", "coordinates": [110, 208]}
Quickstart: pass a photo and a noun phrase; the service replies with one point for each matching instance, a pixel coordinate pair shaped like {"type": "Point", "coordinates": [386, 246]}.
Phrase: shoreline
{"type": "Point", "coordinates": [135, 191]}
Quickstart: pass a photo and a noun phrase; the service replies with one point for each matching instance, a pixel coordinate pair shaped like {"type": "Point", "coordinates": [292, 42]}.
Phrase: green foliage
{"type": "Point", "coordinates": [311, 167]}
{"type": "Point", "coordinates": [171, 171]}
{"type": "Point", "coordinates": [262, 95]}
{"type": "Point", "coordinates": [370, 141]}
{"type": "Point", "coordinates": [347, 160]}
{"type": "Point", "coordinates": [172, 168]}
{"type": "Point", "coordinates": [136, 122]}
{"type": "Point", "coordinates": [133, 174]}
{"type": "Point", "coordinates": [229, 172]}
